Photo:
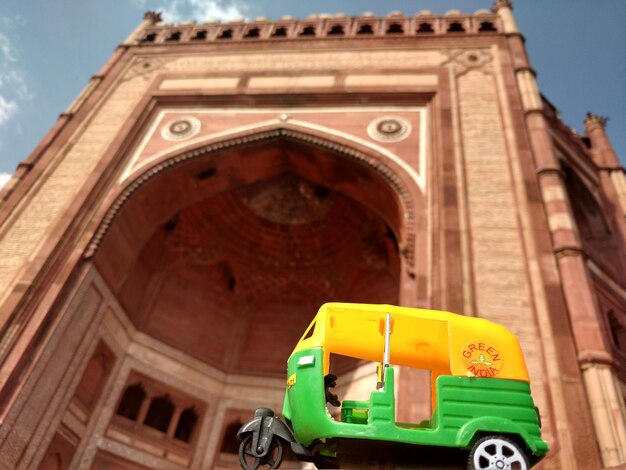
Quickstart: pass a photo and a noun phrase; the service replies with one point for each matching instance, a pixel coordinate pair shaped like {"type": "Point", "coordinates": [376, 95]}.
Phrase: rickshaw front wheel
{"type": "Point", "coordinates": [249, 461]}
{"type": "Point", "coordinates": [497, 453]}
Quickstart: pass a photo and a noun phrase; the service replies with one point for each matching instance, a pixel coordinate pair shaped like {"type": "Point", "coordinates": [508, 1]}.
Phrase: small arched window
{"type": "Point", "coordinates": [186, 424]}
{"type": "Point", "coordinates": [365, 29]}
{"type": "Point", "coordinates": [589, 216]}
{"type": "Point", "coordinates": [486, 26]}
{"type": "Point", "coordinates": [226, 34]}
{"type": "Point", "coordinates": [395, 28]}
{"type": "Point", "coordinates": [280, 32]}
{"type": "Point", "coordinates": [174, 36]}
{"type": "Point", "coordinates": [200, 35]}
{"type": "Point", "coordinates": [456, 27]}
{"type": "Point", "coordinates": [151, 37]}
{"type": "Point", "coordinates": [425, 28]}
{"type": "Point", "coordinates": [336, 30]}
{"type": "Point", "coordinates": [308, 31]}
{"type": "Point", "coordinates": [230, 445]}
{"type": "Point", "coordinates": [131, 401]}
{"type": "Point", "coordinates": [160, 413]}
{"type": "Point", "coordinates": [252, 33]}
{"type": "Point", "coordinates": [618, 332]}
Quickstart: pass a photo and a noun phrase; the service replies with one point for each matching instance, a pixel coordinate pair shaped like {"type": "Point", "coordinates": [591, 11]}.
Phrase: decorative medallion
{"type": "Point", "coordinates": [480, 359]}
{"type": "Point", "coordinates": [181, 129]}
{"type": "Point", "coordinates": [389, 129]}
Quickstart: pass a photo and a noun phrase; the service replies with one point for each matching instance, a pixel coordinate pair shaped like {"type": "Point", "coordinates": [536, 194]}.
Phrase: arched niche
{"type": "Point", "coordinates": [226, 251]}
{"type": "Point", "coordinates": [590, 218]}
{"type": "Point", "coordinates": [597, 236]}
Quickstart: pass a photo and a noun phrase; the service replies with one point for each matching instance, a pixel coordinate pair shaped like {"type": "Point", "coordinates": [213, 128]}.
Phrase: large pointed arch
{"type": "Point", "coordinates": [390, 169]}
{"type": "Point", "coordinates": [366, 244]}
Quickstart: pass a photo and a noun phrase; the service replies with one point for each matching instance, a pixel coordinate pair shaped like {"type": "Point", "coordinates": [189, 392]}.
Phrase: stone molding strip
{"type": "Point", "coordinates": [563, 251]}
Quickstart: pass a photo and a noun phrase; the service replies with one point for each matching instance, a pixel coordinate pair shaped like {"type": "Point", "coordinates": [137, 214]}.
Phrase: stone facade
{"type": "Point", "coordinates": [166, 244]}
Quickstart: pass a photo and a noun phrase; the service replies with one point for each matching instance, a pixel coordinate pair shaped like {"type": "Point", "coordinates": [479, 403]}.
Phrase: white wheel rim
{"type": "Point", "coordinates": [498, 454]}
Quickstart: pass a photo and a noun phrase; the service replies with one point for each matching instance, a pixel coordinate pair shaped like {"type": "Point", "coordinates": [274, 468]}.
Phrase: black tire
{"type": "Point", "coordinates": [248, 461]}
{"type": "Point", "coordinates": [497, 453]}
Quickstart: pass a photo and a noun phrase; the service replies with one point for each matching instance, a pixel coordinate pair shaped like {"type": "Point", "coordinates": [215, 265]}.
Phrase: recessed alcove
{"type": "Point", "coordinates": [225, 258]}
{"type": "Point", "coordinates": [221, 267]}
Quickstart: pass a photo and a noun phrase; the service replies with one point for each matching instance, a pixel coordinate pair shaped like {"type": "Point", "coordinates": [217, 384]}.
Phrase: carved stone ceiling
{"type": "Point", "coordinates": [235, 279]}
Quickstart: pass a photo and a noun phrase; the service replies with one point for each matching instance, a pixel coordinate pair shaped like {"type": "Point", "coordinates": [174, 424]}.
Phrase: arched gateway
{"type": "Point", "coordinates": [216, 260]}
{"type": "Point", "coordinates": [203, 268]}
{"type": "Point", "coordinates": [165, 245]}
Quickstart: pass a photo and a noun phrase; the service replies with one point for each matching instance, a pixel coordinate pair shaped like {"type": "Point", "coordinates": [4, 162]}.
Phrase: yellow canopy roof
{"type": "Point", "coordinates": [443, 342]}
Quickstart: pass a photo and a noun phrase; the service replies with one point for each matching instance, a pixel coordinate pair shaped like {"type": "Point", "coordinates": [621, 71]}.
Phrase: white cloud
{"type": "Point", "coordinates": [202, 10]}
{"type": "Point", "coordinates": [7, 109]}
{"type": "Point", "coordinates": [138, 3]}
{"type": "Point", "coordinates": [15, 80]}
{"type": "Point", "coordinates": [7, 50]}
{"type": "Point", "coordinates": [13, 84]}
{"type": "Point", "coordinates": [171, 13]}
{"type": "Point", "coordinates": [4, 177]}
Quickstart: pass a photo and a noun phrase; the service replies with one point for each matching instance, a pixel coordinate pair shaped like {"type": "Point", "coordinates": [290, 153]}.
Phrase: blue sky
{"type": "Point", "coordinates": [50, 48]}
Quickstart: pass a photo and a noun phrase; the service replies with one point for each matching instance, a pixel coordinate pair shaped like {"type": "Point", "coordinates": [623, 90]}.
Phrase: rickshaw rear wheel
{"type": "Point", "coordinates": [249, 461]}
{"type": "Point", "coordinates": [497, 452]}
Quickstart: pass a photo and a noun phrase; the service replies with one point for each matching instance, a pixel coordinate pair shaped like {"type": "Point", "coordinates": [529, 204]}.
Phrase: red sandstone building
{"type": "Point", "coordinates": [164, 246]}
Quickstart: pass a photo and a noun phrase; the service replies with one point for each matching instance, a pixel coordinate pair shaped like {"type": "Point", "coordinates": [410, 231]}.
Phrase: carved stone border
{"type": "Point", "coordinates": [408, 250]}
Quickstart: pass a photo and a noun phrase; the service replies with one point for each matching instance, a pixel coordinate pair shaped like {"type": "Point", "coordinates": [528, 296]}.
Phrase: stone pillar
{"type": "Point", "coordinates": [143, 411]}
{"type": "Point", "coordinates": [607, 406]}
{"type": "Point", "coordinates": [603, 153]}
{"type": "Point", "coordinates": [504, 9]}
{"type": "Point", "coordinates": [612, 173]}
{"type": "Point", "coordinates": [594, 354]}
{"type": "Point", "coordinates": [618, 178]}
{"type": "Point", "coordinates": [171, 429]}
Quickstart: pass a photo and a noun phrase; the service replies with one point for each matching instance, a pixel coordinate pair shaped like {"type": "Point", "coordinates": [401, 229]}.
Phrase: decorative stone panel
{"type": "Point", "coordinates": [497, 255]}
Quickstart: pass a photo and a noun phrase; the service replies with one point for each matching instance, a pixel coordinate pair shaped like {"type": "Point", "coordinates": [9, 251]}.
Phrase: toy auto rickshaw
{"type": "Point", "coordinates": [483, 409]}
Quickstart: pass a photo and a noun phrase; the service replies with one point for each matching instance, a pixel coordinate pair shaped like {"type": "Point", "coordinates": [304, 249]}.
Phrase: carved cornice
{"type": "Point", "coordinates": [591, 358]}
{"type": "Point", "coordinates": [526, 68]}
{"type": "Point", "coordinates": [373, 163]}
{"type": "Point", "coordinates": [549, 170]}
{"type": "Point", "coordinates": [572, 250]}
{"type": "Point", "coordinates": [612, 169]}
{"type": "Point", "coordinates": [538, 110]}
{"type": "Point", "coordinates": [338, 27]}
